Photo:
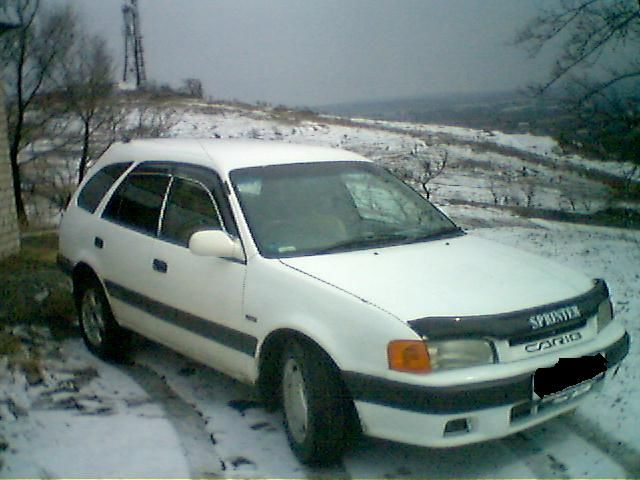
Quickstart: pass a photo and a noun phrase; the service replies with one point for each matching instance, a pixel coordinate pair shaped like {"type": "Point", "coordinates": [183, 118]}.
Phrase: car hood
{"type": "Point", "coordinates": [455, 277]}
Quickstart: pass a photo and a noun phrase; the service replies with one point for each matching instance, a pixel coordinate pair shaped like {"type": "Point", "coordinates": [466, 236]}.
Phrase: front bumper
{"type": "Point", "coordinates": [463, 414]}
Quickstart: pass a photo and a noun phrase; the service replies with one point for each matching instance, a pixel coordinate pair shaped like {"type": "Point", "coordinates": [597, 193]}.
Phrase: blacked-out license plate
{"type": "Point", "coordinates": [568, 373]}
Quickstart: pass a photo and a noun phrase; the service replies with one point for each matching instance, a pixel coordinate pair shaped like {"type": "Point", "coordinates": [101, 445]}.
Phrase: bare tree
{"type": "Point", "coordinates": [430, 166]}
{"type": "Point", "coordinates": [599, 66]}
{"type": "Point", "coordinates": [494, 189]}
{"type": "Point", "coordinates": [31, 56]}
{"type": "Point", "coordinates": [193, 87]}
{"type": "Point", "coordinates": [420, 166]}
{"type": "Point", "coordinates": [151, 122]}
{"type": "Point", "coordinates": [87, 90]}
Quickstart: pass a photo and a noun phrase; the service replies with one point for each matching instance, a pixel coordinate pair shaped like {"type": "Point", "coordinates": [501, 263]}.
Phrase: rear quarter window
{"type": "Point", "coordinates": [91, 194]}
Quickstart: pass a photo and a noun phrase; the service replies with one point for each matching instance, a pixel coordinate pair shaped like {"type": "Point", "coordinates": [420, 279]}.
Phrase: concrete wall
{"type": "Point", "coordinates": [9, 236]}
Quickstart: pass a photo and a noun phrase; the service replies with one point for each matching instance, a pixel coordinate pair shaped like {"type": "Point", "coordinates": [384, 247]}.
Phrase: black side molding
{"type": "Point", "coordinates": [229, 337]}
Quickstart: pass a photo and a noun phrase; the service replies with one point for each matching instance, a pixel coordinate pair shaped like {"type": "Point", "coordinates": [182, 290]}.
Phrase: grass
{"type": "Point", "coordinates": [36, 252]}
{"type": "Point", "coordinates": [9, 344]}
{"type": "Point", "coordinates": [35, 300]}
{"type": "Point", "coordinates": [32, 288]}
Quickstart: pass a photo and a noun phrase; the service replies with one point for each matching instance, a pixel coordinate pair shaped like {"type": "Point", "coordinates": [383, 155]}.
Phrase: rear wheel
{"type": "Point", "coordinates": [316, 406]}
{"type": "Point", "coordinates": [101, 333]}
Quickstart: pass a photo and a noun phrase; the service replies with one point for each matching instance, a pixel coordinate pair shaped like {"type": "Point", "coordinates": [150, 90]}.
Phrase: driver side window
{"type": "Point", "coordinates": [190, 208]}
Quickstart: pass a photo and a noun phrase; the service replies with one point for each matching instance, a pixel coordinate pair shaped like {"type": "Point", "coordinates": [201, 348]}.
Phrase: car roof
{"type": "Point", "coordinates": [224, 155]}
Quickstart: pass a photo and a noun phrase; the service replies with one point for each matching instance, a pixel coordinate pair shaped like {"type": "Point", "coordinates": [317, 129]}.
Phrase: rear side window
{"type": "Point", "coordinates": [93, 191]}
{"type": "Point", "coordinates": [138, 201]}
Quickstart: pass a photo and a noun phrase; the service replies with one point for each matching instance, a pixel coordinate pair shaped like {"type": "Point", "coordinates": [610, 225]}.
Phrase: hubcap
{"type": "Point", "coordinates": [93, 318]}
{"type": "Point", "coordinates": [295, 400]}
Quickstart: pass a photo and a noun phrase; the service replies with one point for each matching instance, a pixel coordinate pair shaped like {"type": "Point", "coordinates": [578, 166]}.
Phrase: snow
{"type": "Point", "coordinates": [532, 172]}
{"type": "Point", "coordinates": [473, 173]}
{"type": "Point", "coordinates": [165, 416]}
{"type": "Point", "coordinates": [536, 144]}
{"type": "Point", "coordinates": [108, 428]}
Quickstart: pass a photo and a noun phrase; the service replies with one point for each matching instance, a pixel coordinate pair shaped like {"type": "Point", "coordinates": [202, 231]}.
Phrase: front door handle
{"type": "Point", "coordinates": [160, 265]}
{"type": "Point", "coordinates": [98, 242]}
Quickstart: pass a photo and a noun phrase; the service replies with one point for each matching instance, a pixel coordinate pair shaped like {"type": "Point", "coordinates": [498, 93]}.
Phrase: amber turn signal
{"type": "Point", "coordinates": [408, 356]}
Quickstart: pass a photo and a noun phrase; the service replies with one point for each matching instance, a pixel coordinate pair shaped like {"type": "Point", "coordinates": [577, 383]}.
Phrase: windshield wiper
{"type": "Point", "coordinates": [386, 240]}
{"type": "Point", "coordinates": [440, 235]}
{"type": "Point", "coordinates": [363, 242]}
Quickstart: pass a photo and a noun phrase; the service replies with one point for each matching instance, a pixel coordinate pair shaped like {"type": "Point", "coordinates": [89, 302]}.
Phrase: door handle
{"type": "Point", "coordinates": [160, 266]}
{"type": "Point", "coordinates": [98, 242]}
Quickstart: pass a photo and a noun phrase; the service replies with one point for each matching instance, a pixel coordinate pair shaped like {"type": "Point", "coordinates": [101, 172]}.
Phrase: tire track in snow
{"type": "Point", "coordinates": [187, 421]}
{"type": "Point", "coordinates": [230, 422]}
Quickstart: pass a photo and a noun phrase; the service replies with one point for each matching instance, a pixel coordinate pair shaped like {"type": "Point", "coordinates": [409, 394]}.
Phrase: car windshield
{"type": "Point", "coordinates": [328, 207]}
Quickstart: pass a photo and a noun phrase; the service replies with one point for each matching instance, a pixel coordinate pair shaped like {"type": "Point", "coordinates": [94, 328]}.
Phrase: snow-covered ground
{"type": "Point", "coordinates": [532, 172]}
{"type": "Point", "coordinates": [540, 145]}
{"type": "Point", "coordinates": [165, 416]}
{"type": "Point", "coordinates": [473, 173]}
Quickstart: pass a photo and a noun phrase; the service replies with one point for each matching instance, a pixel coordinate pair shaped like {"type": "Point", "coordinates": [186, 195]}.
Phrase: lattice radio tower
{"type": "Point", "coordinates": [133, 51]}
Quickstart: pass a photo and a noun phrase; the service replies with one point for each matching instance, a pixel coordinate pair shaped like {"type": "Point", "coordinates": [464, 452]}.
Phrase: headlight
{"type": "Point", "coordinates": [417, 356]}
{"type": "Point", "coordinates": [605, 314]}
{"type": "Point", "coordinates": [446, 354]}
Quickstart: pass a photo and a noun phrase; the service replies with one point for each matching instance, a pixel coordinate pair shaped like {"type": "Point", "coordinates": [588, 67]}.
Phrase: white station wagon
{"type": "Point", "coordinates": [336, 289]}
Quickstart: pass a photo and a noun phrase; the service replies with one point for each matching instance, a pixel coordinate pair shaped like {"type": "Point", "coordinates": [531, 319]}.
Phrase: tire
{"type": "Point", "coordinates": [317, 409]}
{"type": "Point", "coordinates": [100, 331]}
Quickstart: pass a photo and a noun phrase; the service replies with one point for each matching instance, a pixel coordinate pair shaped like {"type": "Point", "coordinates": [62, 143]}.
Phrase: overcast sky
{"type": "Point", "coordinates": [317, 52]}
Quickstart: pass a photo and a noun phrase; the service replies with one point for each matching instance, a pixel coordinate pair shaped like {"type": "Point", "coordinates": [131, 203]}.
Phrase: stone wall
{"type": "Point", "coordinates": [9, 236]}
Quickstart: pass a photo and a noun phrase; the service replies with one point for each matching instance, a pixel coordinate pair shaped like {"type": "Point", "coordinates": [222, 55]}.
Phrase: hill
{"type": "Point", "coordinates": [504, 174]}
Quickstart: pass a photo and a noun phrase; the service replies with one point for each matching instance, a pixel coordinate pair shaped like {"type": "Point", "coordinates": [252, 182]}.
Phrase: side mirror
{"type": "Point", "coordinates": [215, 243]}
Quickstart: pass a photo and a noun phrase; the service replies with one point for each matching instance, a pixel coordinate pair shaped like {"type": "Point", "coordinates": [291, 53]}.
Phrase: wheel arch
{"type": "Point", "coordinates": [81, 275]}
{"type": "Point", "coordinates": [335, 433]}
{"type": "Point", "coordinates": [269, 362]}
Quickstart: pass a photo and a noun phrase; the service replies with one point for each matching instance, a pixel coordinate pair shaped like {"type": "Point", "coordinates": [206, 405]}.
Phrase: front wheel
{"type": "Point", "coordinates": [316, 406]}
{"type": "Point", "coordinates": [100, 331]}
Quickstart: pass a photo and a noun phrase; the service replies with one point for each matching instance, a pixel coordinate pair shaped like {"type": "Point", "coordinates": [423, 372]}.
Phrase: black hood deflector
{"type": "Point", "coordinates": [512, 325]}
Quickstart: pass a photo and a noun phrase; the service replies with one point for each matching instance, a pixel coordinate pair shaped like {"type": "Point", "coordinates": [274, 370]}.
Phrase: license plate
{"type": "Point", "coordinates": [569, 393]}
{"type": "Point", "coordinates": [568, 378]}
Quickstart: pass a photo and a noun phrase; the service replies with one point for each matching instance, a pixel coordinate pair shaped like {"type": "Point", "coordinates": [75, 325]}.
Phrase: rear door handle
{"type": "Point", "coordinates": [160, 266]}
{"type": "Point", "coordinates": [98, 242]}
